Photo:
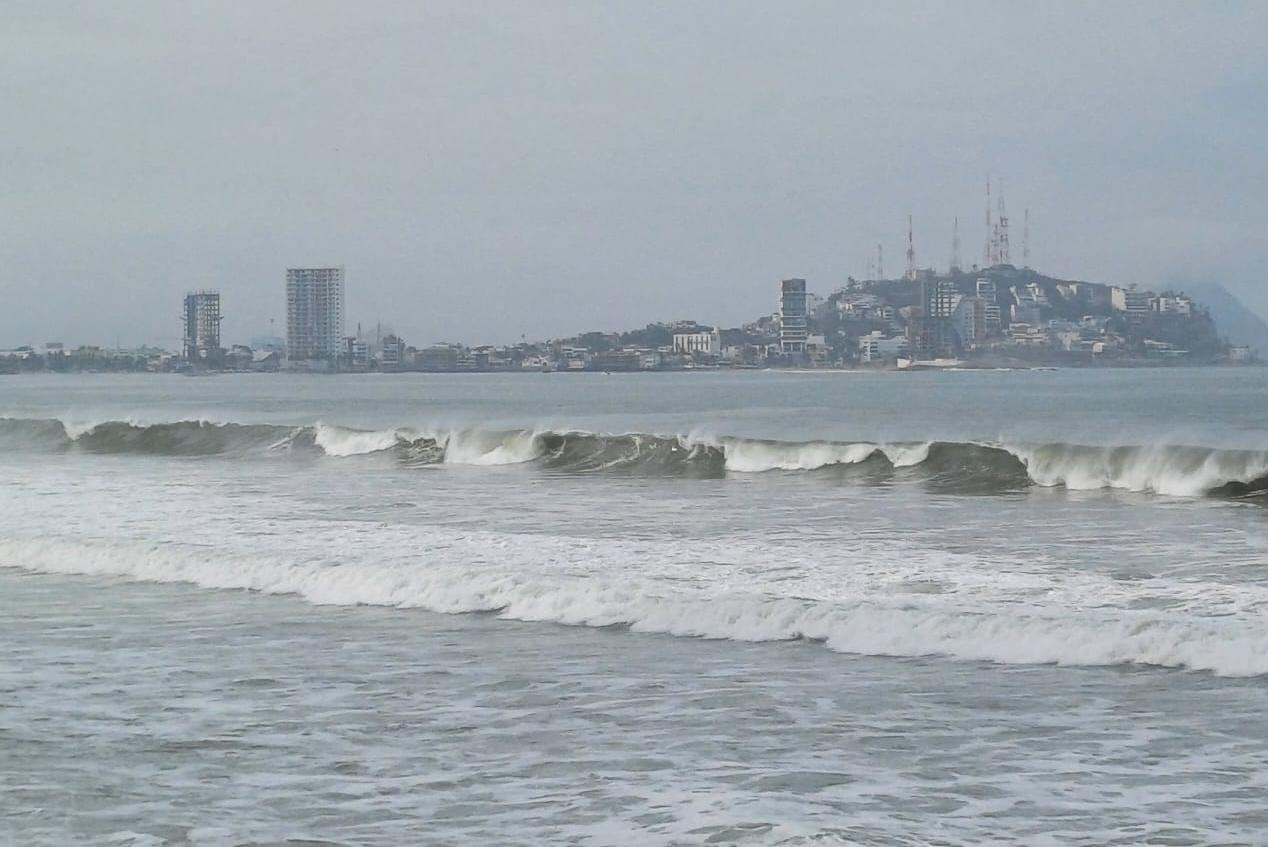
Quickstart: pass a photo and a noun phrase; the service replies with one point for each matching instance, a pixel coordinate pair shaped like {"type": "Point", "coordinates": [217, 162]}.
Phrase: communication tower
{"type": "Point", "coordinates": [1025, 238]}
{"type": "Point", "coordinates": [988, 252]}
{"type": "Point", "coordinates": [1001, 252]}
{"type": "Point", "coordinates": [911, 252]}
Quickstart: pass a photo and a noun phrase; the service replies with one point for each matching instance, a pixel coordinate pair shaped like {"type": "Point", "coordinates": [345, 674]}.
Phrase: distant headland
{"type": "Point", "coordinates": [989, 317]}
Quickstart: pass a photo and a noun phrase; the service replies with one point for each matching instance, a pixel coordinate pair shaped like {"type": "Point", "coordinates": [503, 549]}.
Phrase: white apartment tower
{"type": "Point", "coordinates": [314, 313]}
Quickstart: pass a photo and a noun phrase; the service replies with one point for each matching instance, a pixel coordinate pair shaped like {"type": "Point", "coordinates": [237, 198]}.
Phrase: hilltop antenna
{"type": "Point", "coordinates": [1003, 255]}
{"type": "Point", "coordinates": [911, 252]}
{"type": "Point", "coordinates": [986, 251]}
{"type": "Point", "coordinates": [1025, 239]}
{"type": "Point", "coordinates": [880, 262]}
{"type": "Point", "coordinates": [955, 245]}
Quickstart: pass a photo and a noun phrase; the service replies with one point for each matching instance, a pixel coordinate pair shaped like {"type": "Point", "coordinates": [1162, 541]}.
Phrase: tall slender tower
{"type": "Point", "coordinates": [880, 262]}
{"type": "Point", "coordinates": [1025, 238]}
{"type": "Point", "coordinates": [911, 252]}
{"type": "Point", "coordinates": [987, 253]}
{"type": "Point", "coordinates": [793, 327]}
{"type": "Point", "coordinates": [955, 245]}
{"type": "Point", "coordinates": [1001, 250]}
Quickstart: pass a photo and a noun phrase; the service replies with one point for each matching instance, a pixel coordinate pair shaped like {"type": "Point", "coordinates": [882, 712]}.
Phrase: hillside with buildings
{"type": "Point", "coordinates": [999, 316]}
{"type": "Point", "coordinates": [1002, 315]}
{"type": "Point", "coordinates": [1007, 314]}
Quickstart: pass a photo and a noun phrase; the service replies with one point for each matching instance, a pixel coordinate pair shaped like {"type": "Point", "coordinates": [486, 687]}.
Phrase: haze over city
{"type": "Point", "coordinates": [485, 171]}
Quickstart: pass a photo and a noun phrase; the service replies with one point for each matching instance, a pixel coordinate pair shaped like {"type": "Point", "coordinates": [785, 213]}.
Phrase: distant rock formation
{"type": "Point", "coordinates": [1236, 322]}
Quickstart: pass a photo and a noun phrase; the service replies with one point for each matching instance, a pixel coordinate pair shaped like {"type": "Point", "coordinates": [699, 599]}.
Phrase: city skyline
{"type": "Point", "coordinates": [998, 316]}
{"type": "Point", "coordinates": [499, 171]}
{"type": "Point", "coordinates": [316, 324]}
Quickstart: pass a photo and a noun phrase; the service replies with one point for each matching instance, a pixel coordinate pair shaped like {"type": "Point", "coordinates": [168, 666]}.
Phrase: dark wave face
{"type": "Point", "coordinates": [23, 434]}
{"type": "Point", "coordinates": [644, 454]}
{"type": "Point", "coordinates": [178, 438]}
{"type": "Point", "coordinates": [1256, 488]}
{"type": "Point", "coordinates": [184, 438]}
{"type": "Point", "coordinates": [973, 469]}
{"type": "Point", "coordinates": [942, 466]}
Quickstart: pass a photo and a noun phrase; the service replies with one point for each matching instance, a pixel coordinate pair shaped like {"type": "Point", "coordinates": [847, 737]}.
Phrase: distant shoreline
{"type": "Point", "coordinates": [1138, 364]}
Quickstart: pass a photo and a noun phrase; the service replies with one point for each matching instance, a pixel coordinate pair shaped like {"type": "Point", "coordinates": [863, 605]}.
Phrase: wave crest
{"type": "Point", "coordinates": [970, 467]}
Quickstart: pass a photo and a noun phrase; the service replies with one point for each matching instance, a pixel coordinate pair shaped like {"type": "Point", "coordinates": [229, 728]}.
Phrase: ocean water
{"type": "Point", "coordinates": [749, 608]}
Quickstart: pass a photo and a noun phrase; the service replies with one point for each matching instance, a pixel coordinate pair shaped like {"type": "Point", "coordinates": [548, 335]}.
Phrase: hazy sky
{"type": "Point", "coordinates": [486, 170]}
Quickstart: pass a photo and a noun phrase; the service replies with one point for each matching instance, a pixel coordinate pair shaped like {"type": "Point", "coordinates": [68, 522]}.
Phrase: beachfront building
{"type": "Point", "coordinates": [314, 314]}
{"type": "Point", "coordinates": [794, 324]}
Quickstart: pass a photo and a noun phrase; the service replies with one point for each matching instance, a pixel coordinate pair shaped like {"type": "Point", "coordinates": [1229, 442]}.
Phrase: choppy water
{"type": "Point", "coordinates": [754, 608]}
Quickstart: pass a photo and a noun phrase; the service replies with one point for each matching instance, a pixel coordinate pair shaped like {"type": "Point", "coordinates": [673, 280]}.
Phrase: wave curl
{"type": "Point", "coordinates": [970, 467]}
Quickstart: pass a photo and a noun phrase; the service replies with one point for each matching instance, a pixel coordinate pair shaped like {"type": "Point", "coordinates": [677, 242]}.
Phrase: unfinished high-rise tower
{"type": "Point", "coordinates": [201, 341]}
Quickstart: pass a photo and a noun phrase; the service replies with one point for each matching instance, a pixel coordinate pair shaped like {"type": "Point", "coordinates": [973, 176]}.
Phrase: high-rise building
{"type": "Point", "coordinates": [969, 322]}
{"type": "Point", "coordinates": [314, 313]}
{"type": "Point", "coordinates": [793, 318]}
{"type": "Point", "coordinates": [931, 332]}
{"type": "Point", "coordinates": [201, 341]}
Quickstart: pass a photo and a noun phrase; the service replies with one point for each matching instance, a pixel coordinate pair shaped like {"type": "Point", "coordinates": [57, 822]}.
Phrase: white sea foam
{"type": "Point", "coordinates": [906, 455]}
{"type": "Point", "coordinates": [338, 441]}
{"type": "Point", "coordinates": [871, 623]}
{"type": "Point", "coordinates": [1173, 470]}
{"type": "Point", "coordinates": [77, 428]}
{"type": "Point", "coordinates": [757, 456]}
{"type": "Point", "coordinates": [475, 447]}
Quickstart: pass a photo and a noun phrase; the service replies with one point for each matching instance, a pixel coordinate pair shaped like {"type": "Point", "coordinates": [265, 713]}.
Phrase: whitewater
{"type": "Point", "coordinates": [666, 609]}
{"type": "Point", "coordinates": [1169, 469]}
{"type": "Point", "coordinates": [917, 603]}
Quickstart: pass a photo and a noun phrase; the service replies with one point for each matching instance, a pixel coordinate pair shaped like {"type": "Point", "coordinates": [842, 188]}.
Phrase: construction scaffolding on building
{"type": "Point", "coordinates": [202, 326]}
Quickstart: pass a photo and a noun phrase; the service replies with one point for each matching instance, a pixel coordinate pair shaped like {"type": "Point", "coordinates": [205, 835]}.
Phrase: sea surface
{"type": "Point", "coordinates": [755, 608]}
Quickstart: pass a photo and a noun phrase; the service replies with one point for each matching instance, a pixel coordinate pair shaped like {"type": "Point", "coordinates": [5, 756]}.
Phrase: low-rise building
{"type": "Point", "coordinates": [1169, 304]}
{"type": "Point", "coordinates": [1134, 302]}
{"type": "Point", "coordinates": [699, 340]}
{"type": "Point", "coordinates": [877, 347]}
{"type": "Point", "coordinates": [357, 353]}
{"type": "Point", "coordinates": [439, 358]}
{"type": "Point", "coordinates": [1028, 335]}
{"type": "Point", "coordinates": [392, 356]}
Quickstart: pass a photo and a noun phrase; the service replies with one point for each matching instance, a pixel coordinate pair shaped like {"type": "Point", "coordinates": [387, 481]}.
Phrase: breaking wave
{"type": "Point", "coordinates": [867, 624]}
{"type": "Point", "coordinates": [969, 467]}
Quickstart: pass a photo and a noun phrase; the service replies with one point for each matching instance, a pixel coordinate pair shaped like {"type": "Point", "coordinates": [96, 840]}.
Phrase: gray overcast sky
{"type": "Point", "coordinates": [486, 170]}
